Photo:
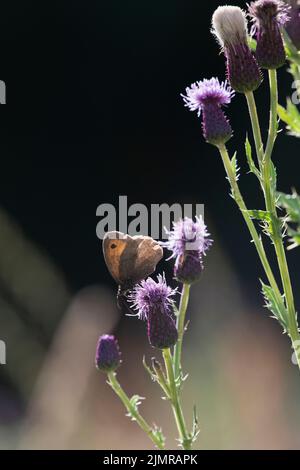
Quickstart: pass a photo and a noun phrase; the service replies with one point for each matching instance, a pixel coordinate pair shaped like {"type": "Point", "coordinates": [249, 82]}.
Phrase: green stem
{"type": "Point", "coordinates": [266, 173]}
{"type": "Point", "coordinates": [180, 327]}
{"type": "Point", "coordinates": [270, 196]}
{"type": "Point", "coordinates": [271, 207]}
{"type": "Point", "coordinates": [175, 401]}
{"type": "Point", "coordinates": [270, 200]}
{"type": "Point", "coordinates": [273, 115]}
{"type": "Point", "coordinates": [112, 380]}
{"type": "Point", "coordinates": [243, 208]}
{"type": "Point", "coordinates": [255, 127]}
{"type": "Point", "coordinates": [160, 377]}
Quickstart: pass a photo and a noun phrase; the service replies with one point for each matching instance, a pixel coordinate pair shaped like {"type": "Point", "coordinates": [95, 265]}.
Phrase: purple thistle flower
{"type": "Point", "coordinates": [207, 96]}
{"type": "Point", "coordinates": [161, 329]}
{"type": "Point", "coordinates": [230, 28]}
{"type": "Point", "coordinates": [293, 26]}
{"type": "Point", "coordinates": [153, 303]}
{"type": "Point", "coordinates": [108, 356]}
{"type": "Point", "coordinates": [188, 242]}
{"type": "Point", "coordinates": [148, 293]}
{"type": "Point", "coordinates": [268, 16]}
{"type": "Point", "coordinates": [189, 267]}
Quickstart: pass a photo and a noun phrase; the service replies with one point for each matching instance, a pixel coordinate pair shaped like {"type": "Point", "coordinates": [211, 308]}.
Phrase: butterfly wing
{"type": "Point", "coordinates": [130, 259]}
{"type": "Point", "coordinates": [114, 245]}
{"type": "Point", "coordinates": [149, 253]}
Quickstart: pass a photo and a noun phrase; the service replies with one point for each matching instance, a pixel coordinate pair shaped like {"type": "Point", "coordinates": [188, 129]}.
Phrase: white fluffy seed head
{"type": "Point", "coordinates": [229, 25]}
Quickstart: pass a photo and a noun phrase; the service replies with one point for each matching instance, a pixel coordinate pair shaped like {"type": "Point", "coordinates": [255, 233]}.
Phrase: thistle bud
{"type": "Point", "coordinates": [230, 28]}
{"type": "Point", "coordinates": [293, 26]}
{"type": "Point", "coordinates": [188, 242]}
{"type": "Point", "coordinates": [108, 357]}
{"type": "Point", "coordinates": [189, 267]}
{"type": "Point", "coordinates": [207, 97]}
{"type": "Point", "coordinates": [153, 303]}
{"type": "Point", "coordinates": [268, 16]}
{"type": "Point", "coordinates": [161, 328]}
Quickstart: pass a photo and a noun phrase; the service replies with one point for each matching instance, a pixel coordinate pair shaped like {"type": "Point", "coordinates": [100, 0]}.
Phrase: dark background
{"type": "Point", "coordinates": [94, 111]}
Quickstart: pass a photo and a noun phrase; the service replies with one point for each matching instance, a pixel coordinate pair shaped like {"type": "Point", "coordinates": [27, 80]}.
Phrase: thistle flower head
{"type": "Point", "coordinates": [207, 92]}
{"type": "Point", "coordinates": [149, 294]}
{"type": "Point", "coordinates": [208, 96]}
{"type": "Point", "coordinates": [268, 16]}
{"type": "Point", "coordinates": [293, 26]}
{"type": "Point", "coordinates": [153, 302]}
{"type": "Point", "coordinates": [229, 25]}
{"type": "Point", "coordinates": [188, 242]}
{"type": "Point", "coordinates": [161, 329]}
{"type": "Point", "coordinates": [188, 235]}
{"type": "Point", "coordinates": [108, 357]}
{"type": "Point", "coordinates": [263, 11]}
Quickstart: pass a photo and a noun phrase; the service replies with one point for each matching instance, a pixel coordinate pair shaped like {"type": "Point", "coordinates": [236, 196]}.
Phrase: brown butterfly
{"type": "Point", "coordinates": [130, 259]}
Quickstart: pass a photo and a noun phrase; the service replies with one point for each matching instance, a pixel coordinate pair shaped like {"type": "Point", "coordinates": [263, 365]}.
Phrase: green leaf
{"type": "Point", "coordinates": [252, 43]}
{"type": "Point", "coordinates": [276, 308]}
{"type": "Point", "coordinates": [179, 381]}
{"type": "Point", "coordinates": [252, 166]}
{"type": "Point", "coordinates": [291, 51]}
{"type": "Point", "coordinates": [195, 428]}
{"type": "Point", "coordinates": [291, 117]}
{"type": "Point", "coordinates": [291, 203]}
{"type": "Point", "coordinates": [294, 238]}
{"type": "Point", "coordinates": [264, 216]}
{"type": "Point", "coordinates": [273, 177]}
{"type": "Point", "coordinates": [248, 149]}
{"type": "Point", "coordinates": [135, 401]}
{"type": "Point", "coordinates": [149, 370]}
{"type": "Point", "coordinates": [235, 167]}
{"type": "Point", "coordinates": [293, 110]}
{"type": "Point", "coordinates": [157, 432]}
{"type": "Point", "coordinates": [283, 114]}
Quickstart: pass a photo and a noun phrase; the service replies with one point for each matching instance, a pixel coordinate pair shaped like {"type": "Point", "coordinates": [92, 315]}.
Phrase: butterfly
{"type": "Point", "coordinates": [130, 259]}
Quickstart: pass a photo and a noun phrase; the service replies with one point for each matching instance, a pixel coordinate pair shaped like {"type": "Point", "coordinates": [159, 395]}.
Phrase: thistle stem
{"type": "Point", "coordinates": [273, 116]}
{"type": "Point", "coordinates": [180, 323]}
{"type": "Point", "coordinates": [115, 385]}
{"type": "Point", "coordinates": [270, 201]}
{"type": "Point", "coordinates": [175, 401]}
{"type": "Point", "coordinates": [255, 128]}
{"type": "Point", "coordinates": [271, 207]}
{"type": "Point", "coordinates": [243, 208]}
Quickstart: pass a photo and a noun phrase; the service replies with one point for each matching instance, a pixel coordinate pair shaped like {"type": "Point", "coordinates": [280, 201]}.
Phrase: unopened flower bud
{"type": "Point", "coordinates": [161, 328]}
{"type": "Point", "coordinates": [293, 26]}
{"type": "Point", "coordinates": [108, 357]}
{"type": "Point", "coordinates": [230, 28]}
{"type": "Point", "coordinates": [268, 16]}
{"type": "Point", "coordinates": [189, 267]}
